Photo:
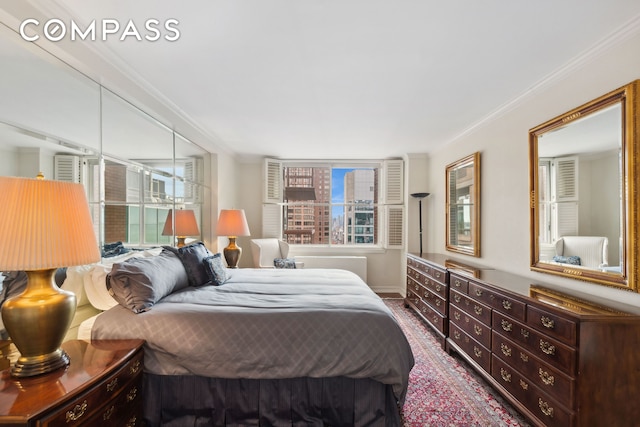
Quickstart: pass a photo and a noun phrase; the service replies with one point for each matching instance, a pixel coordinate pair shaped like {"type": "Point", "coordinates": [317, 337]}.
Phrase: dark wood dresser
{"type": "Point", "coordinates": [559, 360]}
{"type": "Point", "coordinates": [102, 386]}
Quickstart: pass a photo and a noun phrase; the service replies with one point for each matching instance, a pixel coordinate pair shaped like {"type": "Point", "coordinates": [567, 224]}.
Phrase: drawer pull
{"type": "Point", "coordinates": [458, 283]}
{"type": "Point", "coordinates": [547, 348]}
{"type": "Point", "coordinates": [437, 274]}
{"type": "Point", "coordinates": [524, 385]}
{"type": "Point", "coordinates": [424, 309]}
{"type": "Point", "coordinates": [132, 394]}
{"type": "Point", "coordinates": [477, 309]}
{"type": "Point", "coordinates": [505, 375]}
{"type": "Point", "coordinates": [457, 298]}
{"type": "Point", "coordinates": [477, 351]}
{"type": "Point", "coordinates": [438, 302]}
{"type": "Point", "coordinates": [524, 357]}
{"type": "Point", "coordinates": [547, 323]}
{"type": "Point", "coordinates": [438, 288]}
{"type": "Point", "coordinates": [134, 368]}
{"type": "Point", "coordinates": [545, 408]}
{"type": "Point", "coordinates": [524, 333]}
{"type": "Point", "coordinates": [507, 326]}
{"type": "Point", "coordinates": [77, 412]}
{"type": "Point", "coordinates": [108, 413]}
{"type": "Point", "coordinates": [456, 315]}
{"type": "Point", "coordinates": [456, 335]}
{"type": "Point", "coordinates": [506, 350]}
{"type": "Point", "coordinates": [479, 292]}
{"type": "Point", "coordinates": [477, 329]}
{"type": "Point", "coordinates": [545, 377]}
{"type": "Point", "coordinates": [416, 287]}
{"type": "Point", "coordinates": [112, 385]}
{"type": "Point", "coordinates": [507, 305]}
{"type": "Point", "coordinates": [132, 421]}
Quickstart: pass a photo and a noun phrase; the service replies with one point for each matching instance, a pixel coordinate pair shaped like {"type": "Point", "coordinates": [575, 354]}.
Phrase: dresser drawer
{"type": "Point", "coordinates": [476, 309]}
{"type": "Point", "coordinates": [471, 347]}
{"type": "Point", "coordinates": [542, 406]}
{"type": "Point", "coordinates": [550, 380]}
{"type": "Point", "coordinates": [435, 301]}
{"type": "Point", "coordinates": [441, 289]}
{"type": "Point", "coordinates": [412, 298]}
{"type": "Point", "coordinates": [498, 301]}
{"type": "Point", "coordinates": [414, 285]}
{"type": "Point", "coordinates": [458, 283]}
{"type": "Point", "coordinates": [545, 348]}
{"type": "Point", "coordinates": [124, 411]}
{"type": "Point", "coordinates": [86, 405]}
{"type": "Point", "coordinates": [478, 330]}
{"type": "Point", "coordinates": [418, 265]}
{"type": "Point", "coordinates": [437, 320]}
{"type": "Point", "coordinates": [416, 275]}
{"type": "Point", "coordinates": [552, 324]}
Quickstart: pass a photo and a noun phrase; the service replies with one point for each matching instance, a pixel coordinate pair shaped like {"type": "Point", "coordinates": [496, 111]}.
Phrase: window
{"type": "Point", "coordinates": [336, 203]}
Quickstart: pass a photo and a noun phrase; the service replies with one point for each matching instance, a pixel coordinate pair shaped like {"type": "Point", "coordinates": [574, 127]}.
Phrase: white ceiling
{"type": "Point", "coordinates": [348, 78]}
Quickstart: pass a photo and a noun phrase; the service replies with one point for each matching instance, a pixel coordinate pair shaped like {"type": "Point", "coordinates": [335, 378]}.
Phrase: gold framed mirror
{"type": "Point", "coordinates": [463, 205]}
{"type": "Point", "coordinates": [583, 177]}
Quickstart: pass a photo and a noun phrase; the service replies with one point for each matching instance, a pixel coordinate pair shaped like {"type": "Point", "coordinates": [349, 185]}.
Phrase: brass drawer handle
{"type": "Point", "coordinates": [457, 298]}
{"type": "Point", "coordinates": [437, 274]}
{"type": "Point", "coordinates": [524, 357]}
{"type": "Point", "coordinates": [133, 369]}
{"type": "Point", "coordinates": [478, 310]}
{"type": "Point", "coordinates": [479, 292]}
{"type": "Point", "coordinates": [132, 421]}
{"type": "Point", "coordinates": [507, 305]}
{"type": "Point", "coordinates": [456, 315]}
{"type": "Point", "coordinates": [547, 348]}
{"type": "Point", "coordinates": [507, 326]}
{"type": "Point", "coordinates": [108, 413]}
{"type": "Point", "coordinates": [458, 283]}
{"type": "Point", "coordinates": [477, 329]}
{"type": "Point", "coordinates": [505, 375]}
{"type": "Point", "coordinates": [438, 302]}
{"type": "Point", "coordinates": [506, 350]}
{"type": "Point", "coordinates": [416, 287]}
{"type": "Point", "coordinates": [545, 377]}
{"type": "Point", "coordinates": [112, 385]}
{"type": "Point", "coordinates": [77, 412]}
{"type": "Point", "coordinates": [547, 323]}
{"type": "Point", "coordinates": [477, 351]}
{"type": "Point", "coordinates": [545, 408]}
{"type": "Point", "coordinates": [132, 394]}
{"type": "Point", "coordinates": [438, 288]}
{"type": "Point", "coordinates": [524, 333]}
{"type": "Point", "coordinates": [456, 335]}
{"type": "Point", "coordinates": [524, 385]}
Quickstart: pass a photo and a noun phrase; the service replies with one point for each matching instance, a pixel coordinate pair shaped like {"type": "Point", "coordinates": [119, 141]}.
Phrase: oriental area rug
{"type": "Point", "coordinates": [443, 391]}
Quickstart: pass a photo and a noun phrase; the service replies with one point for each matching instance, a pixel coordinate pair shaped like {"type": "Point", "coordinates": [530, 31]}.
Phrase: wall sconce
{"type": "Point", "coordinates": [186, 225]}
{"type": "Point", "coordinates": [232, 223]}
{"type": "Point", "coordinates": [44, 225]}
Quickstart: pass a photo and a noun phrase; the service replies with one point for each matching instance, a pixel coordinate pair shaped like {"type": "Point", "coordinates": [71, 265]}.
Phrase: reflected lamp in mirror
{"type": "Point", "coordinates": [186, 225]}
{"type": "Point", "coordinates": [583, 176]}
{"type": "Point", "coordinates": [463, 205]}
{"type": "Point", "coordinates": [232, 223]}
{"type": "Point", "coordinates": [44, 225]}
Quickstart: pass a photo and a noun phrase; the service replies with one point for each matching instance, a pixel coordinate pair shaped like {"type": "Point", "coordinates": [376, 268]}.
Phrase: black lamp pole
{"type": "Point", "coordinates": [420, 196]}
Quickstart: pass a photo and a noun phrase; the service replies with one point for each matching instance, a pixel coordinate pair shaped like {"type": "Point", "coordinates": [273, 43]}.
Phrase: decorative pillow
{"type": "Point", "coordinates": [113, 249]}
{"type": "Point", "coordinates": [216, 271]}
{"type": "Point", "coordinates": [192, 256]}
{"type": "Point", "coordinates": [138, 283]}
{"type": "Point", "coordinates": [574, 260]}
{"type": "Point", "coordinates": [284, 263]}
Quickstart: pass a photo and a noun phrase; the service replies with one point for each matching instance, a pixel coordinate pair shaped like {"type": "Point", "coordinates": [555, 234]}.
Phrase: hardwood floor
{"type": "Point", "coordinates": [389, 295]}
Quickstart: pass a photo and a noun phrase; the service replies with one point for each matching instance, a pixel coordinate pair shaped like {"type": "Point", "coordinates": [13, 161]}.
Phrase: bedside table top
{"type": "Point", "coordinates": [23, 398]}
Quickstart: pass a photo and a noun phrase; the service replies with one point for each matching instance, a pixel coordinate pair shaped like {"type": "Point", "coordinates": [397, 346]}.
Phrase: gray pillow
{"type": "Point", "coordinates": [138, 283]}
{"type": "Point", "coordinates": [216, 271]}
{"type": "Point", "coordinates": [192, 257]}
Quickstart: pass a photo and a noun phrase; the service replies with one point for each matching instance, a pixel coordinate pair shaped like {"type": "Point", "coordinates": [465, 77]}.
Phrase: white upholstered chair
{"type": "Point", "coordinates": [592, 250]}
{"type": "Point", "coordinates": [264, 251]}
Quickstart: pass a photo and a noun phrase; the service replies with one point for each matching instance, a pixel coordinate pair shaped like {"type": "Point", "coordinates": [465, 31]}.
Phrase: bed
{"type": "Point", "coordinates": [266, 347]}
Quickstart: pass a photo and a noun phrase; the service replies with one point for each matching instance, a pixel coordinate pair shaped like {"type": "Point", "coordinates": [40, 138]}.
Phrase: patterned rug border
{"type": "Point", "coordinates": [444, 390]}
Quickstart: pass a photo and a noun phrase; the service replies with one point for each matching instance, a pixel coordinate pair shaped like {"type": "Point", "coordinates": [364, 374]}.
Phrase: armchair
{"type": "Point", "coordinates": [264, 251]}
{"type": "Point", "coordinates": [592, 250]}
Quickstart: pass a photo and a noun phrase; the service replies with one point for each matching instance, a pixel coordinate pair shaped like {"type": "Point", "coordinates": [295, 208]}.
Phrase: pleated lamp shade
{"type": "Point", "coordinates": [44, 224]}
{"type": "Point", "coordinates": [186, 224]}
{"type": "Point", "coordinates": [232, 222]}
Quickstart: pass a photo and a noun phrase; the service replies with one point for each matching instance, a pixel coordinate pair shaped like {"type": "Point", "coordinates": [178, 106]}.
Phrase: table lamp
{"type": "Point", "coordinates": [232, 223]}
{"type": "Point", "coordinates": [44, 225]}
{"type": "Point", "coordinates": [186, 225]}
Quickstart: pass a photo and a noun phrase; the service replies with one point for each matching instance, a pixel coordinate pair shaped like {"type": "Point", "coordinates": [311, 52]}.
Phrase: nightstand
{"type": "Point", "coordinates": [101, 386]}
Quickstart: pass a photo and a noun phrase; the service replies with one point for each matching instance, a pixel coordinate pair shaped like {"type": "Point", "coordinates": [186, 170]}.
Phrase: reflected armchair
{"type": "Point", "coordinates": [592, 250]}
{"type": "Point", "coordinates": [265, 251]}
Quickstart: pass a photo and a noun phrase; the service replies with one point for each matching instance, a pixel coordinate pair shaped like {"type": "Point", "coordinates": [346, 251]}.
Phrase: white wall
{"type": "Point", "coordinates": [503, 144]}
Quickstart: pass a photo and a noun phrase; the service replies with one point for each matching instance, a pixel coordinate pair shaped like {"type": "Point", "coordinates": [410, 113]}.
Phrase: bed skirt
{"type": "Point", "coordinates": [181, 401]}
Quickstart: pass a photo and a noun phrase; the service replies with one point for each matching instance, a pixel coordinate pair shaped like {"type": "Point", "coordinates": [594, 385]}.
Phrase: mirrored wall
{"type": "Point", "coordinates": [135, 169]}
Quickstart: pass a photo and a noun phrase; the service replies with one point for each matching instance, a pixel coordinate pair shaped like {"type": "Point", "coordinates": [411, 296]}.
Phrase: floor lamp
{"type": "Point", "coordinates": [420, 196]}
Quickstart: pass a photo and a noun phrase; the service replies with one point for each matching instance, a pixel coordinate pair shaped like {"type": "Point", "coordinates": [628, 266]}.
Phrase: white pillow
{"type": "Point", "coordinates": [74, 282]}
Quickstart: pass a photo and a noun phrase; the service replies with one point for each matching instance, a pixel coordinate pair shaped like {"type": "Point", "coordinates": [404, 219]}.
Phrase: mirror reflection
{"type": "Point", "coordinates": [582, 173]}
{"type": "Point", "coordinates": [463, 205]}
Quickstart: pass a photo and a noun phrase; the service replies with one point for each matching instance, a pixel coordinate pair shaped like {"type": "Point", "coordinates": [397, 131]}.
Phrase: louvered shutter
{"type": "Point", "coordinates": [565, 219]}
{"type": "Point", "coordinates": [272, 181]}
{"type": "Point", "coordinates": [272, 221]}
{"type": "Point", "coordinates": [565, 179]}
{"type": "Point", "coordinates": [393, 172]}
{"type": "Point", "coordinates": [394, 217]}
{"type": "Point", "coordinates": [67, 168]}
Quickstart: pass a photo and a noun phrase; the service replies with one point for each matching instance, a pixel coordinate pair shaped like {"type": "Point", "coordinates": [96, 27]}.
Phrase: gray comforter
{"type": "Point", "coordinates": [269, 324]}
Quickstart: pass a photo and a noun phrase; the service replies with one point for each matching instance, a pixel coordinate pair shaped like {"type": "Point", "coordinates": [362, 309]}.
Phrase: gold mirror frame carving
{"type": "Point", "coordinates": [627, 97]}
{"type": "Point", "coordinates": [463, 173]}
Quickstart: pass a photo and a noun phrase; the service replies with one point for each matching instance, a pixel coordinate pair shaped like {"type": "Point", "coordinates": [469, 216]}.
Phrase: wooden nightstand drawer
{"type": "Point", "coordinates": [552, 324]}
{"type": "Point", "coordinates": [125, 410]}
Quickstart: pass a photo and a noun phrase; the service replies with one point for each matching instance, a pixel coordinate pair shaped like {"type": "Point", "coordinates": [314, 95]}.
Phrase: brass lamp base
{"type": "Point", "coordinates": [37, 321]}
{"type": "Point", "coordinates": [181, 241]}
{"type": "Point", "coordinates": [232, 253]}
